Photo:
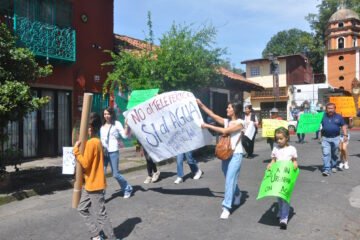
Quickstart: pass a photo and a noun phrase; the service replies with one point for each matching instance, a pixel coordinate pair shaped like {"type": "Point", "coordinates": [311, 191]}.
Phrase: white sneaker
{"type": "Point", "coordinates": [237, 200]}
{"type": "Point", "coordinates": [155, 176]}
{"type": "Point", "coordinates": [225, 214]}
{"type": "Point", "coordinates": [128, 194]}
{"type": "Point", "coordinates": [178, 180]}
{"type": "Point", "coordinates": [341, 166]}
{"type": "Point", "coordinates": [346, 165]}
{"type": "Point", "coordinates": [148, 180]}
{"type": "Point", "coordinates": [198, 174]}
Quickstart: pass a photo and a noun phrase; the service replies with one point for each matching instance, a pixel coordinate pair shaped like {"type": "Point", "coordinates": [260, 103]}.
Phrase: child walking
{"type": "Point", "coordinates": [92, 195]}
{"type": "Point", "coordinates": [283, 152]}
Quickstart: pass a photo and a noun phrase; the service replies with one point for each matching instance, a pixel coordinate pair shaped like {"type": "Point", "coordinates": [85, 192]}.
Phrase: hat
{"type": "Point", "coordinates": [274, 110]}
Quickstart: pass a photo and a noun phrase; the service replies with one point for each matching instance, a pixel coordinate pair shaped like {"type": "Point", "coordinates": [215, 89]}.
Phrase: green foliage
{"type": "Point", "coordinates": [294, 41]}
{"type": "Point", "coordinates": [17, 67]}
{"type": "Point", "coordinates": [288, 42]}
{"type": "Point", "coordinates": [318, 23]}
{"type": "Point", "coordinates": [187, 59]}
{"type": "Point", "coordinates": [184, 60]}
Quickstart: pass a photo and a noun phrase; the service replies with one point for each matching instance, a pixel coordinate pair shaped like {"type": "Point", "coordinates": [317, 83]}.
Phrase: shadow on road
{"type": "Point", "coordinates": [311, 168]}
{"type": "Point", "coordinates": [244, 197]}
{"type": "Point", "coordinates": [124, 229]}
{"type": "Point", "coordinates": [205, 192]}
{"type": "Point", "coordinates": [164, 175]}
{"type": "Point", "coordinates": [120, 193]}
{"type": "Point", "coordinates": [269, 217]}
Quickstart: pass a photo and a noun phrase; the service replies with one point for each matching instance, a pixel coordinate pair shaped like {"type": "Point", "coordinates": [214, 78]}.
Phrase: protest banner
{"type": "Point", "coordinates": [250, 130]}
{"type": "Point", "coordinates": [168, 124]}
{"type": "Point", "coordinates": [269, 126]}
{"type": "Point", "coordinates": [309, 122]}
{"type": "Point", "coordinates": [69, 163]}
{"type": "Point", "coordinates": [279, 181]}
{"type": "Point", "coordinates": [344, 105]}
{"type": "Point", "coordinates": [140, 96]}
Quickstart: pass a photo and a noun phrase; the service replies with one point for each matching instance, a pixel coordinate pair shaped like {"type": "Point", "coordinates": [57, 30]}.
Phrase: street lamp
{"type": "Point", "coordinates": [274, 69]}
{"type": "Point", "coordinates": [355, 90]}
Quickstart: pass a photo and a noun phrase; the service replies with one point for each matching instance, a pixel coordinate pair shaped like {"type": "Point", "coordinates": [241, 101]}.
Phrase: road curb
{"type": "Point", "coordinates": [61, 184]}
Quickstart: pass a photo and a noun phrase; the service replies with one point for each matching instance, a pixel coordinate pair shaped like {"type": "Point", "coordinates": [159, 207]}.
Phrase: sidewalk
{"type": "Point", "coordinates": [46, 177]}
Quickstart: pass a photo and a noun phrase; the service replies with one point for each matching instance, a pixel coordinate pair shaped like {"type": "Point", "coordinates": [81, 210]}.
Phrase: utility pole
{"type": "Point", "coordinates": [274, 68]}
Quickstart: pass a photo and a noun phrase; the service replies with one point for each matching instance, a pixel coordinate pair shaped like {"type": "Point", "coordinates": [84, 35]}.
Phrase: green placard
{"type": "Point", "coordinates": [279, 181]}
{"type": "Point", "coordinates": [140, 96]}
{"type": "Point", "coordinates": [309, 122]}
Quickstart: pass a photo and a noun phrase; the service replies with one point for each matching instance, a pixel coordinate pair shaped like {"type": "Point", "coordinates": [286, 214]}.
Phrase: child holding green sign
{"type": "Point", "coordinates": [283, 152]}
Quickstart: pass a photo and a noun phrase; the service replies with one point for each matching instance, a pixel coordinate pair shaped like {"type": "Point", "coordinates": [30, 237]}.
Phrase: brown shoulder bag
{"type": "Point", "coordinates": [223, 149]}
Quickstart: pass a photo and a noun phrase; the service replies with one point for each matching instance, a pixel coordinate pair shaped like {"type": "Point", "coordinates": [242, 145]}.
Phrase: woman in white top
{"type": "Point", "coordinates": [231, 167]}
{"type": "Point", "coordinates": [110, 133]}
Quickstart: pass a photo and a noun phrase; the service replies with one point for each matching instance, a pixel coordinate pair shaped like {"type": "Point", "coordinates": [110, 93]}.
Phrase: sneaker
{"type": "Point", "coordinates": [155, 176]}
{"type": "Point", "coordinates": [283, 224]}
{"type": "Point", "coordinates": [341, 166]}
{"type": "Point", "coordinates": [198, 174]}
{"type": "Point", "coordinates": [237, 200]}
{"type": "Point", "coordinates": [178, 180]}
{"type": "Point", "coordinates": [225, 214]}
{"type": "Point", "coordinates": [333, 170]}
{"type": "Point", "coordinates": [97, 238]}
{"type": "Point", "coordinates": [325, 173]}
{"type": "Point", "coordinates": [127, 194]}
{"type": "Point", "coordinates": [148, 180]}
{"type": "Point", "coordinates": [346, 165]}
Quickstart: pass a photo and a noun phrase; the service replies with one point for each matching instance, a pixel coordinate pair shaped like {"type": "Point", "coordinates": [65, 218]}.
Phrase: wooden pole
{"type": "Point", "coordinates": [86, 108]}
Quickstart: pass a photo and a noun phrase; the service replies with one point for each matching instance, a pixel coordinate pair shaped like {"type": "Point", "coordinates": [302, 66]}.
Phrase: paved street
{"type": "Point", "coordinates": [323, 207]}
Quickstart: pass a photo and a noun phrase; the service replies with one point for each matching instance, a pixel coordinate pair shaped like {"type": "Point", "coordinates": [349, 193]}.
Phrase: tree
{"type": "Point", "coordinates": [318, 23]}
{"type": "Point", "coordinates": [17, 68]}
{"type": "Point", "coordinates": [294, 41]}
{"type": "Point", "coordinates": [185, 59]}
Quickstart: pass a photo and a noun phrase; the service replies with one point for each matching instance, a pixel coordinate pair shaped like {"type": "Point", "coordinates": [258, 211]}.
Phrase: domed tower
{"type": "Point", "coordinates": [342, 38]}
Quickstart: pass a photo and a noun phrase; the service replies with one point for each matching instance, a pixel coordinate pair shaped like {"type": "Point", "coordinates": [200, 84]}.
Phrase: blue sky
{"type": "Point", "coordinates": [244, 27]}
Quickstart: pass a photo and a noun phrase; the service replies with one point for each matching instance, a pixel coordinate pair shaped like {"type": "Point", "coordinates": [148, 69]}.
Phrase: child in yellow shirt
{"type": "Point", "coordinates": [92, 195]}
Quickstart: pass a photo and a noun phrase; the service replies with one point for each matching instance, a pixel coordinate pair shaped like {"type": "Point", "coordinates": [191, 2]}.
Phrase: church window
{"type": "Point", "coordinates": [341, 58]}
{"type": "Point", "coordinates": [354, 41]}
{"type": "Point", "coordinates": [341, 24]}
{"type": "Point", "coordinates": [341, 43]}
{"type": "Point", "coordinates": [341, 78]}
{"type": "Point", "coordinates": [341, 68]}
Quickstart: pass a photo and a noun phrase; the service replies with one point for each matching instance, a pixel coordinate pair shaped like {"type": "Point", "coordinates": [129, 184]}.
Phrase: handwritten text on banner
{"type": "Point", "coordinates": [279, 181]}
{"type": "Point", "coordinates": [168, 124]}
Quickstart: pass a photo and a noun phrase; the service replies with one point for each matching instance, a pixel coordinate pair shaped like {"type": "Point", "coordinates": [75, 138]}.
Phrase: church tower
{"type": "Point", "coordinates": [342, 38]}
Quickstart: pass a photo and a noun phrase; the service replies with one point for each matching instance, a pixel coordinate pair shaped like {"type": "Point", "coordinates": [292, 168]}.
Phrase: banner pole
{"type": "Point", "coordinates": [86, 108]}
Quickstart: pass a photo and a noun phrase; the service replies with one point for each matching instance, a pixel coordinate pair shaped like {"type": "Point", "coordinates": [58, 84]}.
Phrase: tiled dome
{"type": "Point", "coordinates": [343, 14]}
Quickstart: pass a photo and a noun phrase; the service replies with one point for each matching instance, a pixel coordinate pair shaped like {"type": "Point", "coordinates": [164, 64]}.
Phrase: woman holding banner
{"type": "Point", "coordinates": [110, 133]}
{"type": "Point", "coordinates": [251, 123]}
{"type": "Point", "coordinates": [231, 167]}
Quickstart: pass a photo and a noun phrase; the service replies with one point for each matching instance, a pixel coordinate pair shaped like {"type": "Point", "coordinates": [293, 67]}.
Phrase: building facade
{"type": "Point", "coordinates": [71, 36]}
{"type": "Point", "coordinates": [290, 70]}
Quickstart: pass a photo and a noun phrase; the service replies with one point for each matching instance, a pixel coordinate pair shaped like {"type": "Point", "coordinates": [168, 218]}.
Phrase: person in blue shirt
{"type": "Point", "coordinates": [331, 125]}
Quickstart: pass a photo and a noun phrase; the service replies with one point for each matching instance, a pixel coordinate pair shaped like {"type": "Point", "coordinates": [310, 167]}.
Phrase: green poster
{"type": "Point", "coordinates": [140, 96]}
{"type": "Point", "coordinates": [279, 181]}
{"type": "Point", "coordinates": [309, 122]}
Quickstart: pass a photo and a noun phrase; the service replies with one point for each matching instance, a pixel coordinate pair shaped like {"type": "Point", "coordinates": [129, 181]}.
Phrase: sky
{"type": "Point", "coordinates": [244, 27]}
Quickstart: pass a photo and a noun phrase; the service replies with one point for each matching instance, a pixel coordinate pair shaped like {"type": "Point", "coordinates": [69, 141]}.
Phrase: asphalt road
{"type": "Point", "coordinates": [322, 207]}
